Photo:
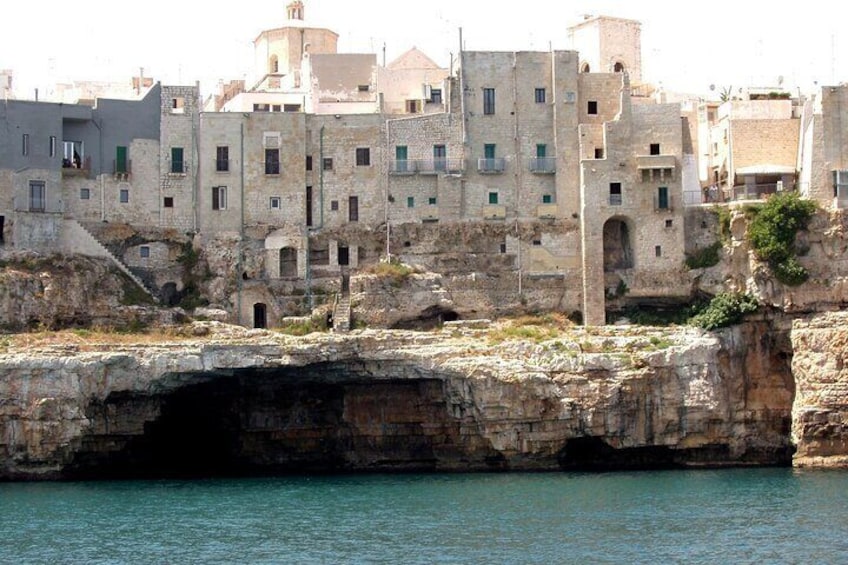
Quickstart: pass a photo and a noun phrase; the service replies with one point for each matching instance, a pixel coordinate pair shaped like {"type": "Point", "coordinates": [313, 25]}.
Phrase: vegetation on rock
{"type": "Point", "coordinates": [772, 234]}
{"type": "Point", "coordinates": [724, 310]}
{"type": "Point", "coordinates": [703, 258]}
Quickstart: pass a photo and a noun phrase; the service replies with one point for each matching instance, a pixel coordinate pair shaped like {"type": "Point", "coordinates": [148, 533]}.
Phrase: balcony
{"type": "Point", "coordinates": [403, 167]}
{"type": "Point", "coordinates": [76, 169]}
{"type": "Point", "coordinates": [492, 166]}
{"type": "Point", "coordinates": [440, 166]}
{"type": "Point", "coordinates": [758, 191]}
{"type": "Point", "coordinates": [494, 212]}
{"type": "Point", "coordinates": [663, 204]}
{"type": "Point", "coordinates": [121, 170]}
{"type": "Point", "coordinates": [546, 211]}
{"type": "Point", "coordinates": [543, 165]}
{"type": "Point", "coordinates": [656, 162]}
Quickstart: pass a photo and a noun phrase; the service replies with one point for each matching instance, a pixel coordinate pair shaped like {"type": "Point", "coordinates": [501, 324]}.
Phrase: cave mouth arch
{"type": "Point", "coordinates": [618, 251]}
{"type": "Point", "coordinates": [322, 418]}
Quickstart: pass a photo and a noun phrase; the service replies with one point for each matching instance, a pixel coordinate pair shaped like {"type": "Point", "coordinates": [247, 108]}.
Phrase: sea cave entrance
{"type": "Point", "coordinates": [618, 253]}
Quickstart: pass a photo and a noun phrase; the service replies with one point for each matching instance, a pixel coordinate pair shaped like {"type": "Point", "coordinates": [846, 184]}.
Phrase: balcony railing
{"type": "Point", "coordinates": [403, 167]}
{"type": "Point", "coordinates": [758, 191]}
{"type": "Point", "coordinates": [491, 166]}
{"type": "Point", "coordinates": [663, 204]}
{"type": "Point", "coordinates": [222, 165]}
{"type": "Point", "coordinates": [615, 200]}
{"type": "Point", "coordinates": [440, 166]}
{"type": "Point", "coordinates": [121, 169]}
{"type": "Point", "coordinates": [543, 165]}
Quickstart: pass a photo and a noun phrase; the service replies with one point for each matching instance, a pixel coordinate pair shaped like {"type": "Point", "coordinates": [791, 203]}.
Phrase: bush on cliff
{"type": "Point", "coordinates": [724, 310]}
{"type": "Point", "coordinates": [772, 234]}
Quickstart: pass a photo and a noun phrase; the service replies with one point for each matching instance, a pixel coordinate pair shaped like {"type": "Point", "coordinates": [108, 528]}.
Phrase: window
{"type": "Point", "coordinates": [618, 67]}
{"type": "Point", "coordinates": [363, 88]}
{"type": "Point", "coordinates": [410, 202]}
{"type": "Point", "coordinates": [541, 150]}
{"type": "Point", "coordinates": [412, 107]}
{"type": "Point", "coordinates": [275, 202]}
{"type": "Point", "coordinates": [401, 163]}
{"type": "Point", "coordinates": [537, 242]}
{"type": "Point", "coordinates": [177, 160]}
{"type": "Point", "coordinates": [353, 209]}
{"type": "Point", "coordinates": [585, 68]}
{"type": "Point", "coordinates": [615, 194]}
{"type": "Point", "coordinates": [662, 198]}
{"type": "Point", "coordinates": [144, 251]}
{"type": "Point", "coordinates": [25, 145]}
{"type": "Point", "coordinates": [124, 195]}
{"type": "Point", "coordinates": [328, 163]}
{"type": "Point", "coordinates": [52, 149]}
{"type": "Point", "coordinates": [334, 205]}
{"type": "Point", "coordinates": [177, 105]}
{"type": "Point", "coordinates": [261, 108]}
{"type": "Point", "coordinates": [363, 156]}
{"type": "Point", "coordinates": [489, 151]}
{"type": "Point", "coordinates": [599, 152]}
{"type": "Point", "coordinates": [272, 161]}
{"type": "Point", "coordinates": [168, 202]}
{"type": "Point", "coordinates": [592, 107]}
{"type": "Point", "coordinates": [540, 96]}
{"type": "Point", "coordinates": [503, 248]}
{"type": "Point", "coordinates": [121, 162]}
{"type": "Point", "coordinates": [547, 199]}
{"type": "Point", "coordinates": [275, 64]}
{"type": "Point", "coordinates": [37, 196]}
{"type": "Point", "coordinates": [493, 198]}
{"type": "Point", "coordinates": [435, 95]}
{"type": "Point", "coordinates": [669, 223]}
{"type": "Point", "coordinates": [85, 194]}
{"type": "Point", "coordinates": [658, 250]}
{"type": "Point", "coordinates": [222, 158]}
{"type": "Point", "coordinates": [290, 108]}
{"type": "Point", "coordinates": [309, 162]}
{"type": "Point", "coordinates": [488, 101]}
{"type": "Point", "coordinates": [309, 206]}
{"type": "Point", "coordinates": [276, 108]}
{"type": "Point", "coordinates": [431, 201]}
{"type": "Point", "coordinates": [440, 154]}
{"type": "Point", "coordinates": [655, 149]}
{"type": "Point", "coordinates": [219, 197]}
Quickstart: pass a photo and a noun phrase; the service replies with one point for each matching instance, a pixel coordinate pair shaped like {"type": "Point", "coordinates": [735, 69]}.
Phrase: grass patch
{"type": "Point", "coordinates": [394, 272]}
{"type": "Point", "coordinates": [314, 324]}
{"type": "Point", "coordinates": [537, 328]}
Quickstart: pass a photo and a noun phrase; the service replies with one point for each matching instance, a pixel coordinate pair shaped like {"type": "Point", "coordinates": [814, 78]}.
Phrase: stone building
{"type": "Point", "coordinates": [823, 157]}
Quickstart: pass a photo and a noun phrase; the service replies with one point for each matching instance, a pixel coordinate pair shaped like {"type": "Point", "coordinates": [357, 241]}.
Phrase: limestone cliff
{"type": "Point", "coordinates": [251, 401]}
{"type": "Point", "coordinates": [820, 412]}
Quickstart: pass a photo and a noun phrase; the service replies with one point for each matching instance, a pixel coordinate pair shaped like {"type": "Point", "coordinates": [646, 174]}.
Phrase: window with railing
{"type": "Point", "coordinates": [222, 158]}
{"type": "Point", "coordinates": [615, 194]}
{"type": "Point", "coordinates": [272, 161]}
{"type": "Point", "coordinates": [177, 163]}
{"type": "Point", "coordinates": [488, 101]}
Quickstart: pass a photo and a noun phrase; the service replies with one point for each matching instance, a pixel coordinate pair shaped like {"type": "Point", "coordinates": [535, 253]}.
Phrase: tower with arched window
{"type": "Point", "coordinates": [608, 45]}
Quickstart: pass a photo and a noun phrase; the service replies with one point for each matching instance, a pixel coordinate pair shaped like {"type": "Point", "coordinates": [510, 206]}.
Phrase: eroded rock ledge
{"type": "Point", "coordinates": [251, 401]}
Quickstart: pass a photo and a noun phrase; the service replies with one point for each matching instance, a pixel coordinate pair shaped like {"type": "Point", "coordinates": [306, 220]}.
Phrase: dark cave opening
{"type": "Point", "coordinates": [275, 423]}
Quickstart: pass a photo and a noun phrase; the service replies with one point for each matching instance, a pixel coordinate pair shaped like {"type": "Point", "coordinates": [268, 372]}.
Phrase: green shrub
{"type": "Point", "coordinates": [723, 218]}
{"type": "Point", "coordinates": [703, 258]}
{"type": "Point", "coordinates": [772, 234]}
{"type": "Point", "coordinates": [724, 310]}
{"type": "Point", "coordinates": [393, 271]}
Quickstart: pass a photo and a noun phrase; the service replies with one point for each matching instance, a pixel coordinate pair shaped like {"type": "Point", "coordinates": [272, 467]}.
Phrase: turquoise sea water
{"type": "Point", "coordinates": [710, 516]}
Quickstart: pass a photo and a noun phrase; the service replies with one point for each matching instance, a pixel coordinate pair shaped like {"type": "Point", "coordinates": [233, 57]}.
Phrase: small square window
{"type": "Point", "coordinates": [363, 88]}
{"type": "Point", "coordinates": [276, 107]}
{"type": "Point", "coordinates": [334, 205]}
{"type": "Point", "coordinates": [168, 202]}
{"type": "Point", "coordinates": [503, 247]}
{"type": "Point", "coordinates": [144, 251]}
{"type": "Point", "coordinates": [328, 163]}
{"type": "Point", "coordinates": [124, 196]}
{"type": "Point", "coordinates": [363, 156]}
{"type": "Point", "coordinates": [493, 198]}
{"type": "Point", "coordinates": [537, 242]}
{"type": "Point", "coordinates": [177, 105]}
{"type": "Point", "coordinates": [435, 96]}
{"type": "Point", "coordinates": [275, 203]}
{"type": "Point", "coordinates": [592, 107]}
{"type": "Point", "coordinates": [410, 202]}
{"type": "Point", "coordinates": [658, 251]}
{"type": "Point", "coordinates": [655, 149]}
{"type": "Point", "coordinates": [540, 96]}
{"type": "Point", "coordinates": [431, 201]}
{"type": "Point", "coordinates": [85, 193]}
{"type": "Point", "coordinates": [547, 198]}
{"type": "Point", "coordinates": [599, 152]}
{"type": "Point", "coordinates": [669, 223]}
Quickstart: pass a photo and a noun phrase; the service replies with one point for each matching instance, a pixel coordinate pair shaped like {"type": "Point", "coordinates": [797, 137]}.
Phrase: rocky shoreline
{"type": "Point", "coordinates": [233, 401]}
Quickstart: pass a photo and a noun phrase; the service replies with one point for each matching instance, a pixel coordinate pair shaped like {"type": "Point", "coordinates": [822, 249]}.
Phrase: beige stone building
{"type": "Point", "coordinates": [823, 156]}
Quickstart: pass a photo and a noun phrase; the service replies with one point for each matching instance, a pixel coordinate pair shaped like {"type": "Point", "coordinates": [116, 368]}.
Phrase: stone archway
{"type": "Point", "coordinates": [618, 251]}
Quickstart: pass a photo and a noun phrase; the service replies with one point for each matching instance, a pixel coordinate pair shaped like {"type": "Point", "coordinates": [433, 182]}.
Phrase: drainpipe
{"type": "Point", "coordinates": [241, 227]}
{"type": "Point", "coordinates": [462, 93]}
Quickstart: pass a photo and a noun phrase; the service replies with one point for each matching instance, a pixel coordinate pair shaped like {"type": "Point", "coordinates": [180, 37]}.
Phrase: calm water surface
{"type": "Point", "coordinates": [719, 516]}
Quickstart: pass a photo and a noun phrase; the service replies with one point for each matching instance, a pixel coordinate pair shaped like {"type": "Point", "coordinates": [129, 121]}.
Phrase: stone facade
{"type": "Point", "coordinates": [609, 45]}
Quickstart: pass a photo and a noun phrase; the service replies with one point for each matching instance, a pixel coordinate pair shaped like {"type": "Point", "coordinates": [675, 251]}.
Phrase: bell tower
{"type": "Point", "coordinates": [295, 10]}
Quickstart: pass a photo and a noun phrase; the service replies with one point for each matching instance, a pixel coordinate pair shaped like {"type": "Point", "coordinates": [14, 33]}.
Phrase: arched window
{"type": "Point", "coordinates": [274, 65]}
{"type": "Point", "coordinates": [619, 67]}
{"type": "Point", "coordinates": [584, 68]}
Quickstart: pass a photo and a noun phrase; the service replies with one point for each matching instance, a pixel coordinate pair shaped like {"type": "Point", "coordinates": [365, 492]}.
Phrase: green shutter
{"type": "Point", "coordinates": [121, 159]}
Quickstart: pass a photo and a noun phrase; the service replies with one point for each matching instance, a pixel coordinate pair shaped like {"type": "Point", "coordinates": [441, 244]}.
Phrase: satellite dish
{"type": "Point", "coordinates": [712, 87]}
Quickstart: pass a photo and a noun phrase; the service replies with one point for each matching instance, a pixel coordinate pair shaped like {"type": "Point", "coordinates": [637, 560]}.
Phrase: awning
{"type": "Point", "coordinates": [766, 170]}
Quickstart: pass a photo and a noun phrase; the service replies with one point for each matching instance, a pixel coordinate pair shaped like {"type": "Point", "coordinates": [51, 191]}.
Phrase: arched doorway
{"type": "Point", "coordinates": [260, 315]}
{"type": "Point", "coordinates": [618, 67]}
{"type": "Point", "coordinates": [288, 262]}
{"type": "Point", "coordinates": [585, 68]}
{"type": "Point", "coordinates": [618, 253]}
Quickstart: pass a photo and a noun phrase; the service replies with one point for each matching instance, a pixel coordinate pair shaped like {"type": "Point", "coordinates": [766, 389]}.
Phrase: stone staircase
{"type": "Point", "coordinates": [79, 240]}
{"type": "Point", "coordinates": [341, 312]}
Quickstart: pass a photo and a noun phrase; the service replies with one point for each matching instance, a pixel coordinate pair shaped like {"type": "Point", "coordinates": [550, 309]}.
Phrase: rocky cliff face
{"type": "Point", "coordinates": [820, 412]}
{"type": "Point", "coordinates": [249, 401]}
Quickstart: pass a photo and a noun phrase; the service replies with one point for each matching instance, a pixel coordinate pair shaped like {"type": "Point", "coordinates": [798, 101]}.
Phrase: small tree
{"type": "Point", "coordinates": [772, 234]}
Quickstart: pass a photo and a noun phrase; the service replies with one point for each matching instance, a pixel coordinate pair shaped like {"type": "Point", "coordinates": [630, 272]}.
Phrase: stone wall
{"type": "Point", "coordinates": [759, 142]}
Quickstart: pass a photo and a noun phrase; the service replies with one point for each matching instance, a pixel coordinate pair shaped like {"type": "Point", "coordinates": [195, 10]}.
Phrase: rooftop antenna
{"type": "Point", "coordinates": [384, 53]}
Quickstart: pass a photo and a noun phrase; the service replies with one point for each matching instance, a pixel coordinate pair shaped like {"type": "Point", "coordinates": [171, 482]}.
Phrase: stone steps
{"type": "Point", "coordinates": [91, 246]}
